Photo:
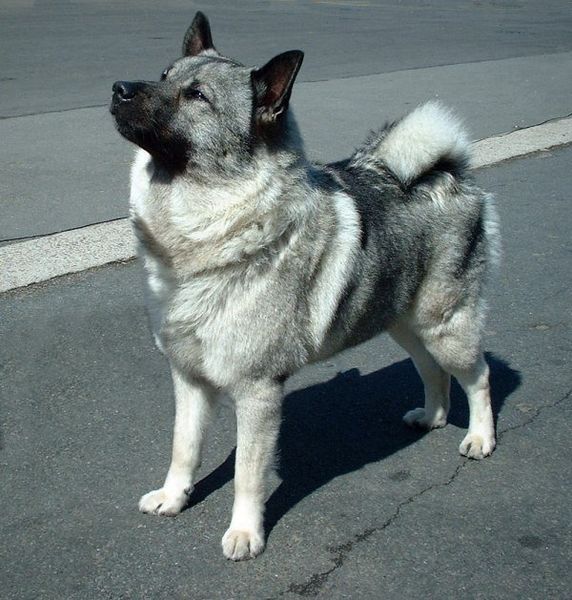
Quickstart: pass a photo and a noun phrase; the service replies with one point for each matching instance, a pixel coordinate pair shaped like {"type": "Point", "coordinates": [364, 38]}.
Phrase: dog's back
{"type": "Point", "coordinates": [423, 225]}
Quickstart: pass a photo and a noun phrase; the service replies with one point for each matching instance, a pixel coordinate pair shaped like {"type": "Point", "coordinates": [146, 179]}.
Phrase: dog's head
{"type": "Point", "coordinates": [207, 111]}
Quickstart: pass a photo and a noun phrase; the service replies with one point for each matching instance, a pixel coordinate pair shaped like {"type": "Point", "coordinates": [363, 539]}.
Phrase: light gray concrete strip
{"type": "Point", "coordinates": [76, 250]}
{"type": "Point", "coordinates": [519, 143]}
{"type": "Point", "coordinates": [67, 252]}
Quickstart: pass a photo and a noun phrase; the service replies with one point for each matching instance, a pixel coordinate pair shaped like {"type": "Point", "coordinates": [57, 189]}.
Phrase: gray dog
{"type": "Point", "coordinates": [260, 262]}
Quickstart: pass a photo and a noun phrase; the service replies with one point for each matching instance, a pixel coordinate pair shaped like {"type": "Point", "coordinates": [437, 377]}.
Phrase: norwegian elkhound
{"type": "Point", "coordinates": [259, 261]}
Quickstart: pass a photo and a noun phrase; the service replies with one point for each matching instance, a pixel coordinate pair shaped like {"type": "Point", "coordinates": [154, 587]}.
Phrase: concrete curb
{"type": "Point", "coordinates": [68, 252]}
{"type": "Point", "coordinates": [495, 149]}
{"type": "Point", "coordinates": [44, 258]}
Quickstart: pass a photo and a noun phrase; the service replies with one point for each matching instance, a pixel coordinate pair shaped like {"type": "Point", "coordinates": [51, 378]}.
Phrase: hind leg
{"type": "Point", "coordinates": [480, 439]}
{"type": "Point", "coordinates": [435, 381]}
{"type": "Point", "coordinates": [456, 347]}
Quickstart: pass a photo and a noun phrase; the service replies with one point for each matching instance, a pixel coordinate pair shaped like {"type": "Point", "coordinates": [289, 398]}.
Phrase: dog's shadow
{"type": "Point", "coordinates": [339, 426]}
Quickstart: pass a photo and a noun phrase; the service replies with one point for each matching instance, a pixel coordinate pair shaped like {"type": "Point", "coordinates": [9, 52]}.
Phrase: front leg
{"type": "Point", "coordinates": [258, 413]}
{"type": "Point", "coordinates": [194, 403]}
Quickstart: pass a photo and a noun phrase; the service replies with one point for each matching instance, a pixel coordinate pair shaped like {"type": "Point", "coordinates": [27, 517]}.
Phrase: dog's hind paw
{"type": "Point", "coordinates": [242, 545]}
{"type": "Point", "coordinates": [418, 417]}
{"type": "Point", "coordinates": [163, 502]}
{"type": "Point", "coordinates": [477, 446]}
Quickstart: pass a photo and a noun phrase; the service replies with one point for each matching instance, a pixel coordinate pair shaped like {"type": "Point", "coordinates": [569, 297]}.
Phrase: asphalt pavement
{"type": "Point", "coordinates": [361, 506]}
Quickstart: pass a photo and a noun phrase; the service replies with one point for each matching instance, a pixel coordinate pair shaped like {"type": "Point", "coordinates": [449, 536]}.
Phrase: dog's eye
{"type": "Point", "coordinates": [195, 94]}
{"type": "Point", "coordinates": [164, 74]}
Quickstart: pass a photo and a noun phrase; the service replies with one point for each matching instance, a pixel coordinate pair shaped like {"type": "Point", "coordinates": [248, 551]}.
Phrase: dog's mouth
{"type": "Point", "coordinates": [114, 106]}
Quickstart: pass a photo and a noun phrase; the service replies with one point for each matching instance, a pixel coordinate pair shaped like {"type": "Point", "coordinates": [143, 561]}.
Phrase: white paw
{"type": "Point", "coordinates": [241, 544]}
{"type": "Point", "coordinates": [418, 418]}
{"type": "Point", "coordinates": [477, 446]}
{"type": "Point", "coordinates": [163, 502]}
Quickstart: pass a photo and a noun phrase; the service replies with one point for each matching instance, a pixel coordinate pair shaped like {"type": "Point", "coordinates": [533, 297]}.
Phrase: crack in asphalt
{"type": "Point", "coordinates": [312, 586]}
{"type": "Point", "coordinates": [537, 412]}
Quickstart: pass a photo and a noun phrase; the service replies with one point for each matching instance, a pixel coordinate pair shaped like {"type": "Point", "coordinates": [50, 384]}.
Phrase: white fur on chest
{"type": "Point", "coordinates": [141, 173]}
{"type": "Point", "coordinates": [201, 314]}
{"type": "Point", "coordinates": [159, 279]}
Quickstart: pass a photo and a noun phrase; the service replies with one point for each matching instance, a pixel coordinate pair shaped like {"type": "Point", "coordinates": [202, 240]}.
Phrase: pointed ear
{"type": "Point", "coordinates": [198, 37]}
{"type": "Point", "coordinates": [273, 84]}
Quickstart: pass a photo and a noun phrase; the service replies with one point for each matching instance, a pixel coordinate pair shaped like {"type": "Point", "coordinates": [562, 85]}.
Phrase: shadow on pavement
{"type": "Point", "coordinates": [336, 427]}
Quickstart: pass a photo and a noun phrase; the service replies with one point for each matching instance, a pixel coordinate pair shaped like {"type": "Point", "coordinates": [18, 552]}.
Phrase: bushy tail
{"type": "Point", "coordinates": [428, 139]}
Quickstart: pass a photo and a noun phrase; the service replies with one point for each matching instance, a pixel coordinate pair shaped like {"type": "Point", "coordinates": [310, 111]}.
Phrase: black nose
{"type": "Point", "coordinates": [124, 90]}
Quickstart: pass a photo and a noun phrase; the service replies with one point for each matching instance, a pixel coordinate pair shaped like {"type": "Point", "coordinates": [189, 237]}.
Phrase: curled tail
{"type": "Point", "coordinates": [427, 140]}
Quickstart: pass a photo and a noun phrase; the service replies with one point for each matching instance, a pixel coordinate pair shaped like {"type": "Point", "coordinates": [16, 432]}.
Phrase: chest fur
{"type": "Point", "coordinates": [238, 278]}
